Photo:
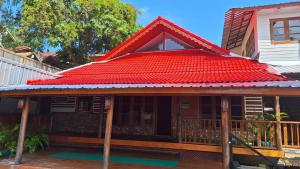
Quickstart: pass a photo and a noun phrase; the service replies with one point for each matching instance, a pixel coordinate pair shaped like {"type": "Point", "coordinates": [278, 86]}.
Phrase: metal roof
{"type": "Point", "coordinates": [270, 84]}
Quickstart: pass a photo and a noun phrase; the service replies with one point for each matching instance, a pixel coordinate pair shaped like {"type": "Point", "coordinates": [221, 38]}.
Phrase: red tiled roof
{"type": "Point", "coordinates": [182, 66]}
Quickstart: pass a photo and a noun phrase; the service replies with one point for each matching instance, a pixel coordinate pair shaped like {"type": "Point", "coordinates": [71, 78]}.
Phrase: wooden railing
{"type": "Point", "coordinates": [260, 134]}
{"type": "Point", "coordinates": [290, 134]}
{"type": "Point", "coordinates": [200, 131]}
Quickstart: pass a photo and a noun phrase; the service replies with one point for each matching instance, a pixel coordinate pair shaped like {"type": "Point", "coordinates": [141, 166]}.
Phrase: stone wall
{"type": "Point", "coordinates": [76, 123]}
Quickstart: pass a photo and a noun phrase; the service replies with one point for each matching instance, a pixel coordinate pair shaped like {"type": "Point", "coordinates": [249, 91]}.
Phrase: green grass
{"type": "Point", "coordinates": [117, 159]}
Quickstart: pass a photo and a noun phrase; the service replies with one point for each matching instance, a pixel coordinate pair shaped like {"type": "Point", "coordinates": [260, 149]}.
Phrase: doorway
{"type": "Point", "coordinates": [164, 109]}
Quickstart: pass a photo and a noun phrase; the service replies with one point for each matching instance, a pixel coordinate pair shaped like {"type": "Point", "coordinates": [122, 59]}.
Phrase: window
{"type": "Point", "coordinates": [206, 107]}
{"type": "Point", "coordinates": [137, 108]}
{"type": "Point", "coordinates": [133, 110]}
{"type": "Point", "coordinates": [125, 110]}
{"type": "Point", "coordinates": [164, 41]}
{"type": "Point", "coordinates": [84, 104]}
{"type": "Point", "coordinates": [285, 30]}
{"type": "Point", "coordinates": [236, 107]}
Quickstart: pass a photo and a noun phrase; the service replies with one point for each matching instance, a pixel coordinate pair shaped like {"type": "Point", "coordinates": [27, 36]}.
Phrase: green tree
{"type": "Point", "coordinates": [9, 22]}
{"type": "Point", "coordinates": [77, 27]}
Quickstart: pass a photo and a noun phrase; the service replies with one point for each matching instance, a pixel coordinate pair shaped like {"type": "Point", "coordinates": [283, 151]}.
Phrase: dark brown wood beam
{"type": "Point", "coordinates": [22, 131]}
{"type": "Point", "coordinates": [278, 125]}
{"type": "Point", "coordinates": [107, 138]}
{"type": "Point", "coordinates": [225, 131]}
{"type": "Point", "coordinates": [234, 91]}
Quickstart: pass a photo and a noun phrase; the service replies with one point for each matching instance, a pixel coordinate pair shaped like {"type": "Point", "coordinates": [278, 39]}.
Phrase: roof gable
{"type": "Point", "coordinates": [155, 28]}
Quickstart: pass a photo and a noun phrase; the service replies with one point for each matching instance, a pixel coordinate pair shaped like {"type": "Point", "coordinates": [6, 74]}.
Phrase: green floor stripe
{"type": "Point", "coordinates": [117, 159]}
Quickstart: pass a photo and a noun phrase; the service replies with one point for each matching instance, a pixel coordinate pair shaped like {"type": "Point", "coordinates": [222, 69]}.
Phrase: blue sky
{"type": "Point", "coordinates": [202, 17]}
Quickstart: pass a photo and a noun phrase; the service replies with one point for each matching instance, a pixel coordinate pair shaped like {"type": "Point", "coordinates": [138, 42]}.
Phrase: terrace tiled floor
{"type": "Point", "coordinates": [41, 160]}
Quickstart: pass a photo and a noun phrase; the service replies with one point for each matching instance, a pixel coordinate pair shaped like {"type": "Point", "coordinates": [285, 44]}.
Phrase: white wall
{"type": "Point", "coordinates": [276, 53]}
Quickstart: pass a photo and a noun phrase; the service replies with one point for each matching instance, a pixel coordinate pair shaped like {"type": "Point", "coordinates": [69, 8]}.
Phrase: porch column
{"type": "Point", "coordinates": [22, 131]}
{"type": "Point", "coordinates": [278, 125]}
{"type": "Point", "coordinates": [225, 131]}
{"type": "Point", "coordinates": [107, 138]}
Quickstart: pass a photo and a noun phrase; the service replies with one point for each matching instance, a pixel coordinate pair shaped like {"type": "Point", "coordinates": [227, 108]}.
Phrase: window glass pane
{"type": "Point", "coordinates": [155, 44]}
{"type": "Point", "coordinates": [236, 100]}
{"type": "Point", "coordinates": [278, 31]}
{"type": "Point", "coordinates": [125, 110]}
{"type": "Point", "coordinates": [206, 100]}
{"type": "Point", "coordinates": [278, 24]}
{"type": "Point", "coordinates": [279, 38]}
{"type": "Point", "coordinates": [149, 111]}
{"type": "Point", "coordinates": [295, 37]}
{"type": "Point", "coordinates": [137, 110]}
{"type": "Point", "coordinates": [116, 110]}
{"type": "Point", "coordinates": [173, 44]}
{"type": "Point", "coordinates": [206, 106]}
{"type": "Point", "coordinates": [294, 22]}
{"type": "Point", "coordinates": [294, 30]}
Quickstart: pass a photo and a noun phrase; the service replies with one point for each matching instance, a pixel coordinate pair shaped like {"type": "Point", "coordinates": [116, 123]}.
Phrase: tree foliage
{"type": "Point", "coordinates": [77, 27]}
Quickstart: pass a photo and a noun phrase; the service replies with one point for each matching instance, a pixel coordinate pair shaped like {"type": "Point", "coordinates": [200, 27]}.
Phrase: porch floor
{"type": "Point", "coordinates": [41, 160]}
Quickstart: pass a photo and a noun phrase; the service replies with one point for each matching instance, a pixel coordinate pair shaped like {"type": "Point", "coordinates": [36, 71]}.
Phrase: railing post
{"type": "Point", "coordinates": [285, 135]}
{"type": "Point", "coordinates": [278, 125]}
{"type": "Point", "coordinates": [225, 131]}
{"type": "Point", "coordinates": [258, 134]}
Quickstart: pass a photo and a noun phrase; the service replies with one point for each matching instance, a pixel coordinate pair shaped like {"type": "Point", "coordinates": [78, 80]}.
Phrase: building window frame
{"type": "Point", "coordinates": [286, 29]}
{"type": "Point", "coordinates": [84, 104]}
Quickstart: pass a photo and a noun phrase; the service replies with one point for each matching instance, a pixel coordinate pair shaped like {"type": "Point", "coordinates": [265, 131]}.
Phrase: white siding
{"type": "Point", "coordinates": [13, 72]}
{"type": "Point", "coordinates": [275, 53]}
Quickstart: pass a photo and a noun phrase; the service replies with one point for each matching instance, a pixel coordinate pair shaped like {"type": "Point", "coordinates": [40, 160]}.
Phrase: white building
{"type": "Point", "coordinates": [269, 34]}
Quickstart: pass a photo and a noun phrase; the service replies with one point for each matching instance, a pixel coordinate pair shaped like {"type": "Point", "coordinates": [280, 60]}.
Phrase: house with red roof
{"type": "Point", "coordinates": [163, 88]}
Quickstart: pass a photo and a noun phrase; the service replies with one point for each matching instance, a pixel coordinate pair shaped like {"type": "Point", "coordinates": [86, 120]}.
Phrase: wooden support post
{"type": "Point", "coordinates": [278, 125]}
{"type": "Point", "coordinates": [107, 138]}
{"type": "Point", "coordinates": [225, 132]}
{"type": "Point", "coordinates": [22, 131]}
